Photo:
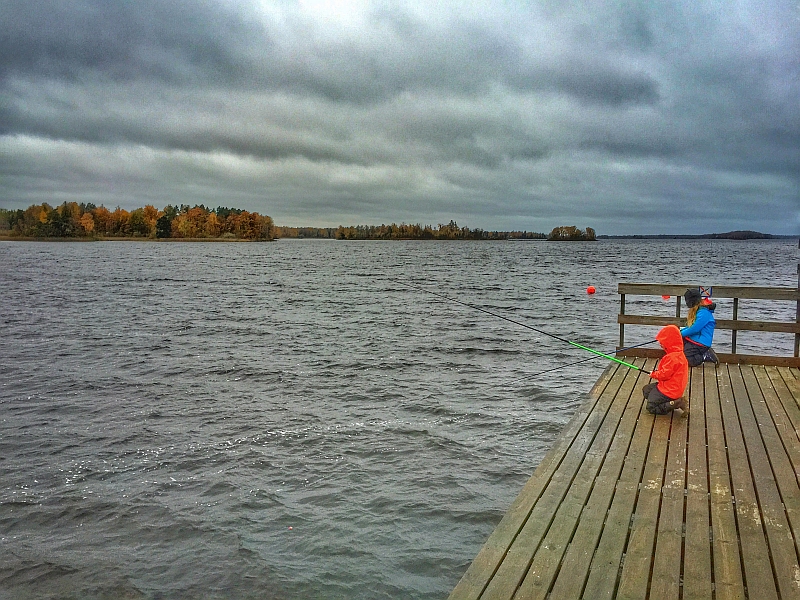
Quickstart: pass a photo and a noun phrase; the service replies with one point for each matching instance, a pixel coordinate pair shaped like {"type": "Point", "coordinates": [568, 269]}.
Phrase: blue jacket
{"type": "Point", "coordinates": [702, 330]}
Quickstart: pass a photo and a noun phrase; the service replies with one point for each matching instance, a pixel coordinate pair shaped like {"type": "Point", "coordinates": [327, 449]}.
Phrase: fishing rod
{"type": "Point", "coordinates": [560, 339]}
{"type": "Point", "coordinates": [574, 363]}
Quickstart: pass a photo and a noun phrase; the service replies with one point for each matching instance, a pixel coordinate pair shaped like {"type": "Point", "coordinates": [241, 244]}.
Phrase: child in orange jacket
{"type": "Point", "coordinates": [672, 375]}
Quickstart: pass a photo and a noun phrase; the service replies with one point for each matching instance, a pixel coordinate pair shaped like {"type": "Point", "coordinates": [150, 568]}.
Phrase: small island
{"type": "Point", "coordinates": [572, 234]}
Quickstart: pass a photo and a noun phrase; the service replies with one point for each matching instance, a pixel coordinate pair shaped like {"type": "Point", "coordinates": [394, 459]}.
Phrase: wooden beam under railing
{"type": "Point", "coordinates": [729, 324]}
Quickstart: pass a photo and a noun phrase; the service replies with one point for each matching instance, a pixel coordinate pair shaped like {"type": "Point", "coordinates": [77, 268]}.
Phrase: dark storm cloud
{"type": "Point", "coordinates": [515, 115]}
{"type": "Point", "coordinates": [174, 41]}
{"type": "Point", "coordinates": [188, 43]}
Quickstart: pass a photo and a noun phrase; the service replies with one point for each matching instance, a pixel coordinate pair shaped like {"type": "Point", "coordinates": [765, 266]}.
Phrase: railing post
{"type": "Point", "coordinates": [733, 332]}
{"type": "Point", "coordinates": [622, 325]}
{"type": "Point", "coordinates": [797, 335]}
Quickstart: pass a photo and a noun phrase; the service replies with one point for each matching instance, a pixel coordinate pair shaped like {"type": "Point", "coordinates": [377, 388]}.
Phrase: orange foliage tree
{"type": "Point", "coordinates": [87, 220]}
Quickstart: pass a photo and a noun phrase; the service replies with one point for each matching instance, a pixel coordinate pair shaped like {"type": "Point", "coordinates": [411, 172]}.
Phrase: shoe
{"type": "Point", "coordinates": [710, 356]}
{"type": "Point", "coordinates": [679, 404]}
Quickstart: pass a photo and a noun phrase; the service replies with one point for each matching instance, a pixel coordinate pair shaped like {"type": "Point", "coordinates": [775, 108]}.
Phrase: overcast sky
{"type": "Point", "coordinates": [629, 117]}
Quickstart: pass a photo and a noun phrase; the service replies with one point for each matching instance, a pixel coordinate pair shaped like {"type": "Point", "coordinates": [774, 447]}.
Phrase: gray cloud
{"type": "Point", "coordinates": [504, 115]}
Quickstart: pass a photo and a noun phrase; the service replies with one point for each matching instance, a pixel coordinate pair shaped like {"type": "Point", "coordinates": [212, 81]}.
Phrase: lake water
{"type": "Point", "coordinates": [287, 420]}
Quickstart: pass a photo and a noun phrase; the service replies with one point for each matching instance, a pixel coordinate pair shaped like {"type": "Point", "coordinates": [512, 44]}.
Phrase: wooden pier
{"type": "Point", "coordinates": [631, 505]}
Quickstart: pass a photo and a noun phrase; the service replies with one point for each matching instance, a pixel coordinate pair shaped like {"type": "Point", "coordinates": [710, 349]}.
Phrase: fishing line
{"type": "Point", "coordinates": [573, 363]}
{"type": "Point", "coordinates": [488, 312]}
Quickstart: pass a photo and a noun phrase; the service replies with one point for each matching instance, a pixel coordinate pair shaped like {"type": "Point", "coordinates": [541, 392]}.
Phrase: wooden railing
{"type": "Point", "coordinates": [734, 325]}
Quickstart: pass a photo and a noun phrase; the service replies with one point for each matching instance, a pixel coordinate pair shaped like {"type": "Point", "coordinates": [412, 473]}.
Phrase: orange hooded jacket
{"type": "Point", "coordinates": [672, 373]}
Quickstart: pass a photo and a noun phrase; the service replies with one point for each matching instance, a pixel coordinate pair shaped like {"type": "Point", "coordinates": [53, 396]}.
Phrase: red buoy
{"type": "Point", "coordinates": [665, 298]}
{"type": "Point", "coordinates": [590, 290]}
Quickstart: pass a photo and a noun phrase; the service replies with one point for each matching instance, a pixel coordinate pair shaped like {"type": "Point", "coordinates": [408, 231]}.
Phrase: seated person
{"type": "Point", "coordinates": [698, 335]}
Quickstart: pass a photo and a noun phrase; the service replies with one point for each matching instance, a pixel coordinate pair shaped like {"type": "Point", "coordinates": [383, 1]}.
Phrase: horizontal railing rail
{"type": "Point", "coordinates": [733, 325]}
{"type": "Point", "coordinates": [747, 292]}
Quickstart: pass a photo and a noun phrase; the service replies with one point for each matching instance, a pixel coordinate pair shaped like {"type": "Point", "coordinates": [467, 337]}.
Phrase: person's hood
{"type": "Point", "coordinates": [670, 339]}
{"type": "Point", "coordinates": [708, 304]}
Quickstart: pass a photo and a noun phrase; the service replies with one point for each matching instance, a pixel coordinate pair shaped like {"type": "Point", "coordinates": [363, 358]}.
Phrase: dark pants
{"type": "Point", "coordinates": [657, 403]}
{"type": "Point", "coordinates": [695, 353]}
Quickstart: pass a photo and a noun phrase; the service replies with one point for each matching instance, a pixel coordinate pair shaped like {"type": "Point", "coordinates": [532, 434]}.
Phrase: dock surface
{"type": "Point", "coordinates": [631, 505]}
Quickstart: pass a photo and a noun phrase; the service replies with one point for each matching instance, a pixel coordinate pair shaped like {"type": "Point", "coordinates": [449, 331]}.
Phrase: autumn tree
{"type": "Point", "coordinates": [120, 222]}
{"type": "Point", "coordinates": [102, 220]}
{"type": "Point", "coordinates": [87, 223]}
{"type": "Point", "coordinates": [212, 226]}
{"type": "Point", "coordinates": [189, 223]}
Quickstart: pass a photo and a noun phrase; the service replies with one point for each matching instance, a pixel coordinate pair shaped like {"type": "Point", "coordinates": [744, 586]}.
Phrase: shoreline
{"type": "Point", "coordinates": [13, 238]}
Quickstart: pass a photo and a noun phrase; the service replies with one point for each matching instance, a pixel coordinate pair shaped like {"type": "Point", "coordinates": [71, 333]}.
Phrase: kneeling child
{"type": "Point", "coordinates": [672, 375]}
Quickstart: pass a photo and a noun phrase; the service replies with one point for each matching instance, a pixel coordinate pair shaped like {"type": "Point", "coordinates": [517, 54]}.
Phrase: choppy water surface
{"type": "Point", "coordinates": [285, 420]}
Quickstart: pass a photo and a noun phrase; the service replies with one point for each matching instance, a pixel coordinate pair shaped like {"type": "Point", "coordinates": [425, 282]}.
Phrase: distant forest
{"type": "Point", "coordinates": [451, 231]}
{"type": "Point", "coordinates": [73, 220]}
{"type": "Point", "coordinates": [87, 221]}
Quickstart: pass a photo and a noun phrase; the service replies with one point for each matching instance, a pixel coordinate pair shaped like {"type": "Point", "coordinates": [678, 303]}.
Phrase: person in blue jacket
{"type": "Point", "coordinates": [698, 335]}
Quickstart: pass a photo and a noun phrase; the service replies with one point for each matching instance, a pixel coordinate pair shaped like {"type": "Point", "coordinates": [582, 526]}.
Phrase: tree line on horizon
{"type": "Point", "coordinates": [88, 221]}
{"type": "Point", "coordinates": [403, 231]}
{"type": "Point", "coordinates": [85, 220]}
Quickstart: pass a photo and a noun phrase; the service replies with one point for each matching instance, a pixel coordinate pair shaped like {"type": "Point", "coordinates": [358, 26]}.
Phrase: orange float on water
{"type": "Point", "coordinates": [590, 290]}
{"type": "Point", "coordinates": [665, 297]}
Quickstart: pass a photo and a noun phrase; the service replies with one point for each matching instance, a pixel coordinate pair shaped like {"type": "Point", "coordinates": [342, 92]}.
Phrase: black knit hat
{"type": "Point", "coordinates": [692, 297]}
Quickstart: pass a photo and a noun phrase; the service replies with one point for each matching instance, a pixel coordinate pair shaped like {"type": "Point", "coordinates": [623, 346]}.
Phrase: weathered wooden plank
{"type": "Point", "coordinates": [763, 399]}
{"type": "Point", "coordinates": [727, 324]}
{"type": "Point", "coordinates": [605, 564]}
{"type": "Point", "coordinates": [667, 560]}
{"type": "Point", "coordinates": [697, 544]}
{"type": "Point", "coordinates": [571, 477]}
{"type": "Point", "coordinates": [635, 576]}
{"type": "Point", "coordinates": [788, 398]}
{"type": "Point", "coordinates": [719, 291]}
{"type": "Point", "coordinates": [791, 377]}
{"type": "Point", "coordinates": [784, 412]}
{"type": "Point", "coordinates": [576, 513]}
{"type": "Point", "coordinates": [575, 438]}
{"type": "Point", "coordinates": [755, 551]}
{"type": "Point", "coordinates": [728, 578]}
{"type": "Point", "coordinates": [766, 478]}
{"type": "Point", "coordinates": [603, 381]}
